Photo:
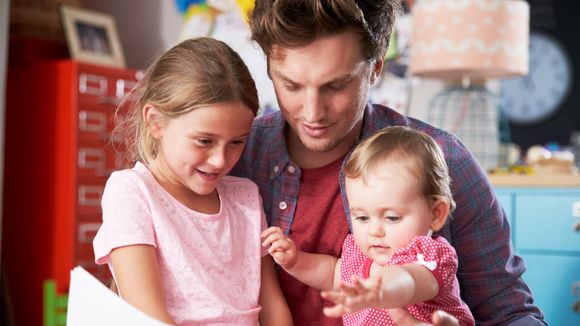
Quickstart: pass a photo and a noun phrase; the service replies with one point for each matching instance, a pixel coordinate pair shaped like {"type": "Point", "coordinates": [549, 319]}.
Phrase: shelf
{"type": "Point", "coordinates": [542, 180]}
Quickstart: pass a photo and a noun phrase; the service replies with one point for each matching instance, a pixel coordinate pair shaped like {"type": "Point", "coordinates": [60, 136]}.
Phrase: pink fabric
{"type": "Point", "coordinates": [210, 264]}
{"type": "Point", "coordinates": [435, 249]}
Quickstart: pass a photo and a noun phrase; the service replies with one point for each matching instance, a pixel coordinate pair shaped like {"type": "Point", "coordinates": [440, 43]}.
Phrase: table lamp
{"type": "Point", "coordinates": [466, 43]}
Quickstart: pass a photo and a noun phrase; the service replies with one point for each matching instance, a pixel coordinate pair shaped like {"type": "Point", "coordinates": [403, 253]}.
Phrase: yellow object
{"type": "Point", "coordinates": [245, 7]}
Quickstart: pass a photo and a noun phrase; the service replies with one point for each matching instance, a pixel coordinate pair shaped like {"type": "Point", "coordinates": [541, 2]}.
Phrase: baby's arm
{"type": "Point", "coordinates": [388, 287]}
{"type": "Point", "coordinates": [315, 270]}
{"type": "Point", "coordinates": [139, 280]}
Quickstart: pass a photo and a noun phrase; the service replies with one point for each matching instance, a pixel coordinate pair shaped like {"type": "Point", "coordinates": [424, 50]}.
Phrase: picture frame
{"type": "Point", "coordinates": [92, 36]}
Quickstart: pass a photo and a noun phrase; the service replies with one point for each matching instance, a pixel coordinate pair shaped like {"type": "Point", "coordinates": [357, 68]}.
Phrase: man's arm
{"type": "Point", "coordinates": [489, 273]}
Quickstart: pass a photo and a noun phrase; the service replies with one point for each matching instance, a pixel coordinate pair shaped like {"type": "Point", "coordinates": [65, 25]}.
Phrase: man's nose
{"type": "Point", "coordinates": [313, 108]}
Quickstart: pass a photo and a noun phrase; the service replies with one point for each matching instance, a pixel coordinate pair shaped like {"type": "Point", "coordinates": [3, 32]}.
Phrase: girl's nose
{"type": "Point", "coordinates": [217, 158]}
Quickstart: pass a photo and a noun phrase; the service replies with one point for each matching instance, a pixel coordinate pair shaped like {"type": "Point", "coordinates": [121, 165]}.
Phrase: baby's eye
{"type": "Point", "coordinates": [361, 218]}
{"type": "Point", "coordinates": [392, 218]}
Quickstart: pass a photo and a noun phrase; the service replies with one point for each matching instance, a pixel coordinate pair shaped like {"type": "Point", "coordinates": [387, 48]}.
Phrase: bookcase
{"type": "Point", "coordinates": [59, 116]}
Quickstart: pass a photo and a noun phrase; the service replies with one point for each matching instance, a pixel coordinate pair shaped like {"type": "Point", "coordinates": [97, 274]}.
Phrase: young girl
{"type": "Point", "coordinates": [180, 237]}
{"type": "Point", "coordinates": [397, 186]}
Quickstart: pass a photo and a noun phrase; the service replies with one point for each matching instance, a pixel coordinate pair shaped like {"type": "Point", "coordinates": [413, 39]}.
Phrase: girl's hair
{"type": "Point", "coordinates": [194, 73]}
{"type": "Point", "coordinates": [295, 23]}
{"type": "Point", "coordinates": [420, 150]}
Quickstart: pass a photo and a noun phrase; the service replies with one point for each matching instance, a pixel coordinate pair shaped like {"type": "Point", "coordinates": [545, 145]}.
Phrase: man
{"type": "Point", "coordinates": [323, 56]}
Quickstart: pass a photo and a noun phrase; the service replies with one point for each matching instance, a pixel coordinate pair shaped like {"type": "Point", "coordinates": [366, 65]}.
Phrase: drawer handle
{"type": "Point", "coordinates": [576, 307]}
{"type": "Point", "coordinates": [576, 226]}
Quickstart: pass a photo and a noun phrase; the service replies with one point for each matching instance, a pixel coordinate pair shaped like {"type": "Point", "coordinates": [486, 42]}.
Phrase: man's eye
{"type": "Point", "coordinates": [291, 87]}
{"type": "Point", "coordinates": [336, 87]}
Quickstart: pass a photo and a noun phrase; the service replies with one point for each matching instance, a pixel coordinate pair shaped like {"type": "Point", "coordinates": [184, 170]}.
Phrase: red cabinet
{"type": "Point", "coordinates": [59, 116]}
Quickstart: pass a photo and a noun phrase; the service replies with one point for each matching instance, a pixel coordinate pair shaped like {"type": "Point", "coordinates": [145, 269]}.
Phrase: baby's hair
{"type": "Point", "coordinates": [194, 73]}
{"type": "Point", "coordinates": [420, 150]}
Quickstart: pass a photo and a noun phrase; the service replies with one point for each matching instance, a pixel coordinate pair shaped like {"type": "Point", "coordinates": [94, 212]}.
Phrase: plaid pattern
{"type": "Point", "coordinates": [489, 272]}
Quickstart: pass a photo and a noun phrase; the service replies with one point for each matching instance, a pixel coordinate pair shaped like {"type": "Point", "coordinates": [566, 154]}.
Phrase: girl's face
{"type": "Point", "coordinates": [198, 148]}
{"type": "Point", "coordinates": [387, 209]}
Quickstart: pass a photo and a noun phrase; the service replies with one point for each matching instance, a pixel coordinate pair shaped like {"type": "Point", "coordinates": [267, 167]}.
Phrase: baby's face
{"type": "Point", "coordinates": [387, 210]}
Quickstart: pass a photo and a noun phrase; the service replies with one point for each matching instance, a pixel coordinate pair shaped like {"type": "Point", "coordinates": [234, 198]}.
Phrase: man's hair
{"type": "Point", "coordinates": [295, 23]}
{"type": "Point", "coordinates": [419, 150]}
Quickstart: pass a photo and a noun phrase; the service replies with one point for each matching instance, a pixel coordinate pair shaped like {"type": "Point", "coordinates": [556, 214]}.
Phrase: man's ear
{"type": "Point", "coordinates": [377, 69]}
{"type": "Point", "coordinates": [152, 119]}
{"type": "Point", "coordinates": [439, 213]}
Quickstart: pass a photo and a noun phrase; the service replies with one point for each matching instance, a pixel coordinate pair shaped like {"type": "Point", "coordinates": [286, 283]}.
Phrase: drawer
{"type": "Point", "coordinates": [104, 86]}
{"type": "Point", "coordinates": [546, 221]}
{"type": "Point", "coordinates": [505, 199]}
{"type": "Point", "coordinates": [553, 279]}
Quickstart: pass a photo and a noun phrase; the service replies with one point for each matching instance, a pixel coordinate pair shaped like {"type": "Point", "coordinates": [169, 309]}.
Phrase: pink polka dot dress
{"type": "Point", "coordinates": [436, 254]}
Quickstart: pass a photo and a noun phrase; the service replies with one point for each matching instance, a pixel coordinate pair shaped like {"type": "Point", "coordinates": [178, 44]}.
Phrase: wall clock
{"type": "Point", "coordinates": [534, 98]}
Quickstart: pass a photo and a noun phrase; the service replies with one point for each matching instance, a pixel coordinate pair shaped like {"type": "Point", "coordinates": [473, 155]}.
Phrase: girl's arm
{"type": "Point", "coordinates": [275, 310]}
{"type": "Point", "coordinates": [314, 270]}
{"type": "Point", "coordinates": [139, 280]}
{"type": "Point", "coordinates": [388, 287]}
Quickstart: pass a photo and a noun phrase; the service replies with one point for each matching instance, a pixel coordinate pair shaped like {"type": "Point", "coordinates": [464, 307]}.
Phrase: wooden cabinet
{"type": "Point", "coordinates": [57, 160]}
{"type": "Point", "coordinates": [545, 223]}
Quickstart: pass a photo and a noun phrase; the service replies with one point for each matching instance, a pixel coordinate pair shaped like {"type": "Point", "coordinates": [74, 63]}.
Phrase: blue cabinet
{"type": "Point", "coordinates": [545, 223]}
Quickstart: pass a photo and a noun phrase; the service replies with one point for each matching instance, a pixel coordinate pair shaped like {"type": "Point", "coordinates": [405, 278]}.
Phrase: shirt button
{"type": "Point", "coordinates": [276, 168]}
{"type": "Point", "coordinates": [291, 169]}
{"type": "Point", "coordinates": [283, 205]}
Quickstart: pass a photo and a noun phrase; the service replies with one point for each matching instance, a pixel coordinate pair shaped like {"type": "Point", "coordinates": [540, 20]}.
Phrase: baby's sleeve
{"type": "Point", "coordinates": [127, 218]}
{"type": "Point", "coordinates": [437, 255]}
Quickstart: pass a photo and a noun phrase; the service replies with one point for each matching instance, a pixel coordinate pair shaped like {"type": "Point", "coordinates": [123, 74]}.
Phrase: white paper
{"type": "Point", "coordinates": [91, 303]}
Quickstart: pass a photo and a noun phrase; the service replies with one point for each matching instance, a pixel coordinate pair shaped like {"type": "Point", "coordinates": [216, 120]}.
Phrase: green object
{"type": "Point", "coordinates": [392, 50]}
{"type": "Point", "coordinates": [54, 305]}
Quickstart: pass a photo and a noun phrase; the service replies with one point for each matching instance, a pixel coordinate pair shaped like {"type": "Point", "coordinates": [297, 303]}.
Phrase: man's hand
{"type": "Point", "coordinates": [281, 248]}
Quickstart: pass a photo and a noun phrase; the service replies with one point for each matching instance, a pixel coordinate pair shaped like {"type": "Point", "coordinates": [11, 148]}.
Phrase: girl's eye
{"type": "Point", "coordinates": [238, 142]}
{"type": "Point", "coordinates": [204, 141]}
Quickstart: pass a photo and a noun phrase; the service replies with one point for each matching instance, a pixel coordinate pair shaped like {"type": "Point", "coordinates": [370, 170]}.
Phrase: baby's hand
{"type": "Point", "coordinates": [351, 298]}
{"type": "Point", "coordinates": [281, 248]}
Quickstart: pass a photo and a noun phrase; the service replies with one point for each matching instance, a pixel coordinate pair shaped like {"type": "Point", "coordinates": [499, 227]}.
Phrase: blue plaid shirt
{"type": "Point", "coordinates": [489, 273]}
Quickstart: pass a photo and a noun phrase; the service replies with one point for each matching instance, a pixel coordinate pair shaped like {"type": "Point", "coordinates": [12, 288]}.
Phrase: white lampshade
{"type": "Point", "coordinates": [477, 39]}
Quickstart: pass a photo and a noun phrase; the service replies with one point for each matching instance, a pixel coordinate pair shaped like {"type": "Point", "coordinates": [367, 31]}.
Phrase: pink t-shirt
{"type": "Point", "coordinates": [210, 264]}
{"type": "Point", "coordinates": [436, 254]}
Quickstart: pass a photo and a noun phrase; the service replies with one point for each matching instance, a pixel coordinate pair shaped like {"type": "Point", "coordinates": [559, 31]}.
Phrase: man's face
{"type": "Point", "coordinates": [322, 89]}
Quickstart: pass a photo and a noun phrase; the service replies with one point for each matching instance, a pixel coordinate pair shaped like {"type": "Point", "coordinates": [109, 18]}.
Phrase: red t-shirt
{"type": "Point", "coordinates": [319, 226]}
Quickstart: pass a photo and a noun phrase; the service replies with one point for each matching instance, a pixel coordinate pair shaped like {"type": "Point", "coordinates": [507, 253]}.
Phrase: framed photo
{"type": "Point", "coordinates": [92, 37]}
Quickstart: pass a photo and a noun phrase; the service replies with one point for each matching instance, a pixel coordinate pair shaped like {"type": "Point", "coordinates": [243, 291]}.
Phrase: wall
{"type": "Point", "coordinates": [146, 27]}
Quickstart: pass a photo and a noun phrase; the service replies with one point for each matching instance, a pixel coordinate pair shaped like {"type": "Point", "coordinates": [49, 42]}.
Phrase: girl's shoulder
{"type": "Point", "coordinates": [232, 183]}
{"type": "Point", "coordinates": [134, 178]}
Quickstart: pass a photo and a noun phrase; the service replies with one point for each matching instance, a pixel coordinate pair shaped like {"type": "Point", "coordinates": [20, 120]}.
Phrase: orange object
{"type": "Point", "coordinates": [58, 121]}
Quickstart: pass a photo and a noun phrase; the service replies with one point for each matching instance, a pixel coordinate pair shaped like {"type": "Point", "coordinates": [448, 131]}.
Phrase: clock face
{"type": "Point", "coordinates": [533, 98]}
